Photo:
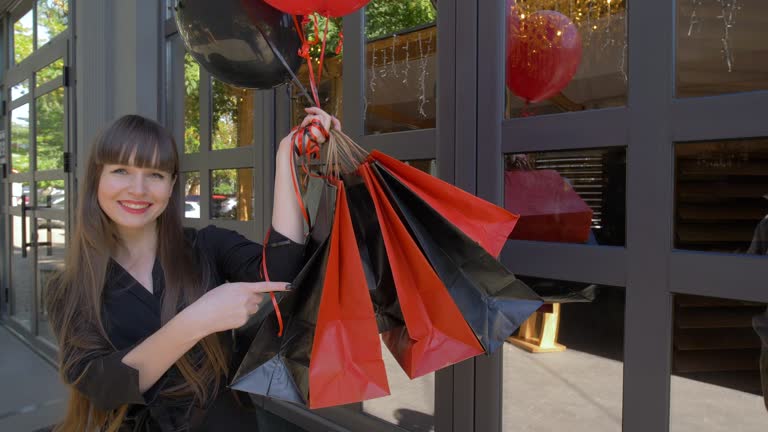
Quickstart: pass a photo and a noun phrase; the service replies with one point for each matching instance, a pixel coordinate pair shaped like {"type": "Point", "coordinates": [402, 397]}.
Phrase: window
{"type": "Point", "coordinates": [721, 47]}
{"type": "Point", "coordinates": [568, 196]}
{"type": "Point", "coordinates": [721, 196]}
{"type": "Point", "coordinates": [542, 37]}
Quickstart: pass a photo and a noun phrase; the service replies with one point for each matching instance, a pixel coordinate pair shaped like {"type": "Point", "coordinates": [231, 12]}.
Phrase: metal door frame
{"type": "Point", "coordinates": [57, 48]}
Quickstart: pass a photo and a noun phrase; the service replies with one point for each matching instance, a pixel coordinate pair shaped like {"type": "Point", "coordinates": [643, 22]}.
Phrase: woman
{"type": "Point", "coordinates": [142, 310]}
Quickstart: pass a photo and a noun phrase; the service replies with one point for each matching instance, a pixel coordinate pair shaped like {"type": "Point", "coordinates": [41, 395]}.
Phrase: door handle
{"type": "Point", "coordinates": [24, 209]}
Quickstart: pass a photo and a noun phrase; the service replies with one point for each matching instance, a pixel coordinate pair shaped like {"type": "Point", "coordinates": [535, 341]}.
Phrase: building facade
{"type": "Point", "coordinates": [661, 133]}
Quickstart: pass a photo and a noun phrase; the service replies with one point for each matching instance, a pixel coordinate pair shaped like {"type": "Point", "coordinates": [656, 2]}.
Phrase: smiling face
{"type": "Point", "coordinates": [133, 197]}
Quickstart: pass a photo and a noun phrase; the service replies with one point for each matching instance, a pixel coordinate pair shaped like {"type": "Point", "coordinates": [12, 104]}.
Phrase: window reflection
{"type": "Point", "coordinates": [600, 79]}
{"type": "Point", "coordinates": [401, 65]}
{"type": "Point", "coordinates": [20, 194]}
{"type": "Point", "coordinates": [191, 184]}
{"type": "Point", "coordinates": [50, 260]}
{"type": "Point", "coordinates": [49, 72]}
{"type": "Point", "coordinates": [20, 139]}
{"type": "Point", "coordinates": [22, 37]}
{"type": "Point", "coordinates": [232, 116]}
{"type": "Point", "coordinates": [568, 196]}
{"type": "Point", "coordinates": [717, 346]}
{"type": "Point", "coordinates": [721, 196]}
{"type": "Point", "coordinates": [51, 194]}
{"type": "Point", "coordinates": [52, 19]}
{"type": "Point", "coordinates": [566, 358]}
{"type": "Point", "coordinates": [191, 105]}
{"type": "Point", "coordinates": [20, 90]}
{"type": "Point", "coordinates": [49, 141]}
{"type": "Point", "coordinates": [232, 194]}
{"type": "Point", "coordinates": [721, 47]}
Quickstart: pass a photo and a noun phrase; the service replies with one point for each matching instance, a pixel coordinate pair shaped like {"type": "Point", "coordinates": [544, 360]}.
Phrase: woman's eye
{"type": "Point", "coordinates": [158, 176]}
{"type": "Point", "coordinates": [119, 171]}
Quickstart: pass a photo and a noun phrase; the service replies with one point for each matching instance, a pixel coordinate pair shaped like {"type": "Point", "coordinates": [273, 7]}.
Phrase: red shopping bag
{"type": "Point", "coordinates": [480, 220]}
{"type": "Point", "coordinates": [435, 334]}
{"type": "Point", "coordinates": [346, 364]}
{"type": "Point", "coordinates": [549, 208]}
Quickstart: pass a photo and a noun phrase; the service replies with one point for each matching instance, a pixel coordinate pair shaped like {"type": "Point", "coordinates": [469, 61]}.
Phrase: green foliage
{"type": "Point", "coordinates": [385, 17]}
{"type": "Point", "coordinates": [50, 130]}
{"type": "Point", "coordinates": [191, 105]}
{"type": "Point", "coordinates": [52, 19]}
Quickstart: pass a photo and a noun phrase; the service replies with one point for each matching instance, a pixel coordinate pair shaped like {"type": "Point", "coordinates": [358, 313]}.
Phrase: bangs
{"type": "Point", "coordinates": [136, 141]}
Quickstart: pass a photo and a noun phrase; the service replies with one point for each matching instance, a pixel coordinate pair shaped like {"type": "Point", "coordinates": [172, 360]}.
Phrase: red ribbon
{"type": "Point", "coordinates": [305, 145]}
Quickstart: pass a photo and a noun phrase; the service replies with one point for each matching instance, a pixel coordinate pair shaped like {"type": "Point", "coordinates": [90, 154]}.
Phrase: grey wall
{"type": "Point", "coordinates": [117, 65]}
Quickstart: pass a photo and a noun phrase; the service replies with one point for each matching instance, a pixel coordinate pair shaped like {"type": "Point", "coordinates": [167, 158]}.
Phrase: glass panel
{"type": "Point", "coordinates": [721, 47]}
{"type": "Point", "coordinates": [191, 182]}
{"type": "Point", "coordinates": [565, 365]}
{"type": "Point", "coordinates": [232, 196]}
{"type": "Point", "coordinates": [717, 365]}
{"type": "Point", "coordinates": [51, 130]}
{"type": "Point", "coordinates": [191, 105]}
{"type": "Point", "coordinates": [426, 165]}
{"type": "Point", "coordinates": [329, 89]}
{"type": "Point", "coordinates": [568, 196]}
{"type": "Point", "coordinates": [54, 191]}
{"type": "Point", "coordinates": [401, 65]}
{"type": "Point", "coordinates": [542, 55]}
{"type": "Point", "coordinates": [721, 196]}
{"type": "Point", "coordinates": [52, 18]}
{"type": "Point", "coordinates": [50, 260]}
{"type": "Point", "coordinates": [48, 73]}
{"type": "Point", "coordinates": [232, 116]}
{"type": "Point", "coordinates": [20, 192]}
{"type": "Point", "coordinates": [20, 139]}
{"type": "Point", "coordinates": [20, 90]}
{"type": "Point", "coordinates": [22, 37]}
{"type": "Point", "coordinates": [411, 403]}
{"type": "Point", "coordinates": [22, 272]}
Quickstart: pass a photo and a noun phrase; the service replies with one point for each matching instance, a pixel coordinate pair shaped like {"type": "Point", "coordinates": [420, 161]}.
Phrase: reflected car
{"type": "Point", "coordinates": [191, 210]}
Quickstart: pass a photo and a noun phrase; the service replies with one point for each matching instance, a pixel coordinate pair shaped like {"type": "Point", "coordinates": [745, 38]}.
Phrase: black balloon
{"type": "Point", "coordinates": [227, 38]}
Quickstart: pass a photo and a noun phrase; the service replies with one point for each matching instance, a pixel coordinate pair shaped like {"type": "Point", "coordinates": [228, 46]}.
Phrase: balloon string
{"type": "Point", "coordinates": [304, 52]}
{"type": "Point", "coordinates": [280, 57]}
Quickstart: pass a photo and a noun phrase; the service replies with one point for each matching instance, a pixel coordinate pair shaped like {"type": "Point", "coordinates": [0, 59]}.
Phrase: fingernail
{"type": "Point", "coordinates": [289, 287]}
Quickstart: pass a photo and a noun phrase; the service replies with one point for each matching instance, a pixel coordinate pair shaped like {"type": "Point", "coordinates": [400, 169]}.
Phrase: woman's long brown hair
{"type": "Point", "coordinates": [74, 296]}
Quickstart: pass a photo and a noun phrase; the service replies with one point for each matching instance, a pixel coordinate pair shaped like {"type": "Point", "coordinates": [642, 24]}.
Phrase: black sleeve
{"type": "Point", "coordinates": [238, 259]}
{"type": "Point", "coordinates": [109, 383]}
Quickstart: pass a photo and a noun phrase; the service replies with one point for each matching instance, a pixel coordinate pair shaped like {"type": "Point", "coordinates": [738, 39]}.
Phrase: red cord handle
{"type": "Point", "coordinates": [307, 146]}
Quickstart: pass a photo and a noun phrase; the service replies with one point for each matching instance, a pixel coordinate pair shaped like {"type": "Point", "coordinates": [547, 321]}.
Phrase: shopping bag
{"type": "Point", "coordinates": [480, 220]}
{"type": "Point", "coordinates": [277, 366]}
{"type": "Point", "coordinates": [435, 334]}
{"type": "Point", "coordinates": [346, 364]}
{"type": "Point", "coordinates": [549, 208]}
{"type": "Point", "coordinates": [492, 301]}
{"type": "Point", "coordinates": [378, 274]}
{"type": "Point", "coordinates": [331, 352]}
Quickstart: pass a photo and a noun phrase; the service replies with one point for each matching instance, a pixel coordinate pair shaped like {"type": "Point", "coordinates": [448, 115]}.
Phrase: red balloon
{"type": "Point", "coordinates": [543, 55]}
{"type": "Point", "coordinates": [329, 8]}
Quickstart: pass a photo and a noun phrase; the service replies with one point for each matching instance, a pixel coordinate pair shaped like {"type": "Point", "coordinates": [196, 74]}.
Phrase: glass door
{"type": "Point", "coordinates": [38, 181]}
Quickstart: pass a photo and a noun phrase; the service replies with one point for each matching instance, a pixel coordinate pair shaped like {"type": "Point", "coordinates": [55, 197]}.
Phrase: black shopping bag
{"type": "Point", "coordinates": [378, 273]}
{"type": "Point", "coordinates": [277, 366]}
{"type": "Point", "coordinates": [493, 302]}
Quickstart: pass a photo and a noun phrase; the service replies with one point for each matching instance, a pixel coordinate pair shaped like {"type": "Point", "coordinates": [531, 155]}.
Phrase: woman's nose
{"type": "Point", "coordinates": [137, 186]}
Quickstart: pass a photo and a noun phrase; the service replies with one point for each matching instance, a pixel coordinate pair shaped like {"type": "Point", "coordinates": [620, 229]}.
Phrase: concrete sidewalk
{"type": "Point", "coordinates": [31, 395]}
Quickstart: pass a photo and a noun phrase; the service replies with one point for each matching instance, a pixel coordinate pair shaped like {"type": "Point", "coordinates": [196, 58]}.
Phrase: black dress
{"type": "Point", "coordinates": [131, 313]}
